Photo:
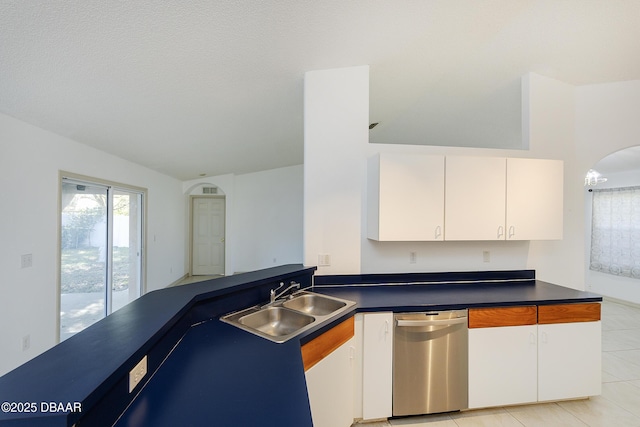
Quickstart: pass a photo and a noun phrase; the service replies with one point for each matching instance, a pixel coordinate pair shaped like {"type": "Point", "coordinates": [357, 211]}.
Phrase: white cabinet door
{"type": "Point", "coordinates": [502, 366]}
{"type": "Point", "coordinates": [330, 388]}
{"type": "Point", "coordinates": [475, 198]}
{"type": "Point", "coordinates": [534, 199]}
{"type": "Point", "coordinates": [377, 371]}
{"type": "Point", "coordinates": [405, 197]}
{"type": "Point", "coordinates": [569, 360]}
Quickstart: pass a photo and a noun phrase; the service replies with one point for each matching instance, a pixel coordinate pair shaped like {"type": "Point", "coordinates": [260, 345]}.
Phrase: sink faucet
{"type": "Point", "coordinates": [273, 296]}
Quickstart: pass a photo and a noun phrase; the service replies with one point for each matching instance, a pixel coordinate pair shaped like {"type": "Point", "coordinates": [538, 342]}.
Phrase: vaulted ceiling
{"type": "Point", "coordinates": [190, 87]}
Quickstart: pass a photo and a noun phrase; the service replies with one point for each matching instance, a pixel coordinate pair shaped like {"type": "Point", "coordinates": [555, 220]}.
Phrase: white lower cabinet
{"type": "Point", "coordinates": [502, 366]}
{"type": "Point", "coordinates": [569, 360]}
{"type": "Point", "coordinates": [523, 364]}
{"type": "Point", "coordinates": [377, 365]}
{"type": "Point", "coordinates": [330, 388]}
{"type": "Point", "coordinates": [508, 365]}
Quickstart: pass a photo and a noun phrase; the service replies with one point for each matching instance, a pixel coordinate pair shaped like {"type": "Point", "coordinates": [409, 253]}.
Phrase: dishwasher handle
{"type": "Point", "coordinates": [443, 322]}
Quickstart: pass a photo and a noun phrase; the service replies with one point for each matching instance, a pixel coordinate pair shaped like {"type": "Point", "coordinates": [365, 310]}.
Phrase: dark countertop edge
{"type": "Point", "coordinates": [177, 302]}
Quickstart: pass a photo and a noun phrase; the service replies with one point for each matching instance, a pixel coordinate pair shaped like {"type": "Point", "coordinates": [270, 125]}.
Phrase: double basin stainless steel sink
{"type": "Point", "coordinates": [285, 319]}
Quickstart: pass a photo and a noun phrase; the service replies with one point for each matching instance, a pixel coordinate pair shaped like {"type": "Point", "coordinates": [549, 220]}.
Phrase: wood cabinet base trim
{"type": "Point", "coordinates": [320, 347]}
{"type": "Point", "coordinates": [502, 316]}
{"type": "Point", "coordinates": [569, 313]}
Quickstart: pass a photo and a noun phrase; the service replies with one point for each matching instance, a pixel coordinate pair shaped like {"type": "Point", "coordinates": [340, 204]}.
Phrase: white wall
{"type": "Point", "coordinates": [268, 218]}
{"type": "Point", "coordinates": [336, 149]}
{"type": "Point", "coordinates": [549, 113]}
{"type": "Point", "coordinates": [606, 122]}
{"type": "Point", "coordinates": [30, 160]}
{"type": "Point", "coordinates": [263, 217]}
{"type": "Point", "coordinates": [336, 120]}
{"type": "Point", "coordinates": [624, 288]}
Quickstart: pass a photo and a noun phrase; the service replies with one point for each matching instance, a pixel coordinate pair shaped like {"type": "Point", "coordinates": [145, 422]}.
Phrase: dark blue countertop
{"type": "Point", "coordinates": [91, 368]}
{"type": "Point", "coordinates": [246, 362]}
{"type": "Point", "coordinates": [415, 297]}
{"type": "Point", "coordinates": [222, 376]}
{"type": "Point", "coordinates": [205, 372]}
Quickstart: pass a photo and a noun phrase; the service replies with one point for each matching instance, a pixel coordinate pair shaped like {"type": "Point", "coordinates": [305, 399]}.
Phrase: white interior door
{"type": "Point", "coordinates": [208, 236]}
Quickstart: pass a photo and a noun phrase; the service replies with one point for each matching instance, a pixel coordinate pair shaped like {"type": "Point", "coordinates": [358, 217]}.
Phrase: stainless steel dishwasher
{"type": "Point", "coordinates": [430, 362]}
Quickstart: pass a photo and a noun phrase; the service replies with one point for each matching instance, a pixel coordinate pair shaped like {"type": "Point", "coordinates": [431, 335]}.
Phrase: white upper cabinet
{"type": "Point", "coordinates": [405, 197]}
{"type": "Point", "coordinates": [534, 199]}
{"type": "Point", "coordinates": [475, 198]}
{"type": "Point", "coordinates": [429, 198]}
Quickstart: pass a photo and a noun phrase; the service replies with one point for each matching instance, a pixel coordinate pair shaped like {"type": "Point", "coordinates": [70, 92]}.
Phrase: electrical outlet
{"type": "Point", "coordinates": [137, 373]}
{"type": "Point", "coordinates": [26, 342]}
{"type": "Point", "coordinates": [413, 257]}
{"type": "Point", "coordinates": [26, 260]}
{"type": "Point", "coordinates": [486, 256]}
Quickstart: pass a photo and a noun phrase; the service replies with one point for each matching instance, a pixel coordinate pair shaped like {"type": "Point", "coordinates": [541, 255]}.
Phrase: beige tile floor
{"type": "Point", "coordinates": [618, 406]}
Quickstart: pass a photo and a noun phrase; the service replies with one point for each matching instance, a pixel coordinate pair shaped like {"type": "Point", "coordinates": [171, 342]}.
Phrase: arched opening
{"type": "Point", "coordinates": [612, 225]}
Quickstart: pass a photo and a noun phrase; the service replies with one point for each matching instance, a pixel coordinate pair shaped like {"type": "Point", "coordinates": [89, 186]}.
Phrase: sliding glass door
{"type": "Point", "coordinates": [126, 248]}
{"type": "Point", "coordinates": [100, 254]}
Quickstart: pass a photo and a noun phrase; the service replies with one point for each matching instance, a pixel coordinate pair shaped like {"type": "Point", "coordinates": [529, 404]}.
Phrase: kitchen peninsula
{"type": "Point", "coordinates": [202, 371]}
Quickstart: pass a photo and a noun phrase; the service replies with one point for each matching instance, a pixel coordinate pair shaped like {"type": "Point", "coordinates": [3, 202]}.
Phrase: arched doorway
{"type": "Point", "coordinates": [612, 225]}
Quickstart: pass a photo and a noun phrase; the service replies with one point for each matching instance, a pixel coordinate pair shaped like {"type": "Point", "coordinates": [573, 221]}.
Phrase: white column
{"type": "Point", "coordinates": [336, 134]}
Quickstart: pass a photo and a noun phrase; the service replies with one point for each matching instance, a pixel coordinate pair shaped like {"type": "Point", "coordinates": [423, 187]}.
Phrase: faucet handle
{"type": "Point", "coordinates": [272, 292]}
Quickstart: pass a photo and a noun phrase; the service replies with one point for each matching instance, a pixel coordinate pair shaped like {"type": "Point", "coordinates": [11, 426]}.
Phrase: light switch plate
{"type": "Point", "coordinates": [324, 260]}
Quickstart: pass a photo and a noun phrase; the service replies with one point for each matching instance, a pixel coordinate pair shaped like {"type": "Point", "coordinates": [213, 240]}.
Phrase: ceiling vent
{"type": "Point", "coordinates": [209, 190]}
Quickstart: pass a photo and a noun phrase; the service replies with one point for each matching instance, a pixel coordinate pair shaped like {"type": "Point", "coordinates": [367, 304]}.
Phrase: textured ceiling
{"type": "Point", "coordinates": [190, 87]}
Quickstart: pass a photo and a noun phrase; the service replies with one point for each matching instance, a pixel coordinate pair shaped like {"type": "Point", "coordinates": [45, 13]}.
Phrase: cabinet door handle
{"type": "Point", "coordinates": [386, 326]}
{"type": "Point", "coordinates": [352, 352]}
{"type": "Point", "coordinates": [532, 338]}
{"type": "Point", "coordinates": [544, 337]}
{"type": "Point", "coordinates": [500, 231]}
{"type": "Point", "coordinates": [512, 231]}
{"type": "Point", "coordinates": [438, 231]}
